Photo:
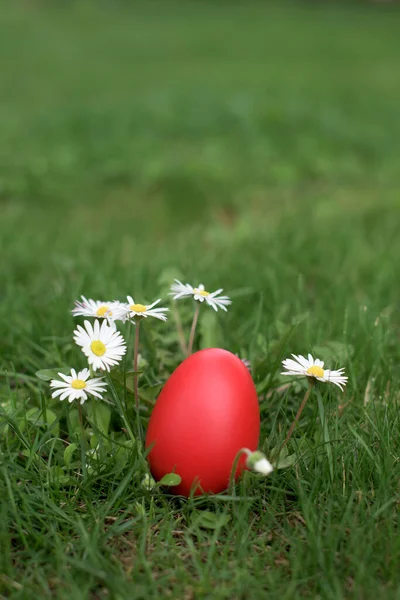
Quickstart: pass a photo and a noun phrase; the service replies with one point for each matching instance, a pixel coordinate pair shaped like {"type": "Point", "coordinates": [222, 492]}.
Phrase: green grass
{"type": "Point", "coordinates": [253, 147]}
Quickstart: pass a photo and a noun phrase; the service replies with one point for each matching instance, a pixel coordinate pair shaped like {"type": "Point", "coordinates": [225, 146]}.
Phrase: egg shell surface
{"type": "Point", "coordinates": [207, 411]}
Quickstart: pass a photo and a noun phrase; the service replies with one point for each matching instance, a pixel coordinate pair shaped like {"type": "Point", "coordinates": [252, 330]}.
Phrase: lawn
{"type": "Point", "coordinates": [250, 146]}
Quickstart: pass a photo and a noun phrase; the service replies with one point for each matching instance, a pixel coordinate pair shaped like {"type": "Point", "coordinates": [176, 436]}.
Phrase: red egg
{"type": "Point", "coordinates": [207, 411]}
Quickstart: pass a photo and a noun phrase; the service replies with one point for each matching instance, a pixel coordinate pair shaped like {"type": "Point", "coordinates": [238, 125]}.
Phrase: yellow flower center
{"type": "Point", "coordinates": [102, 310]}
{"type": "Point", "coordinates": [98, 348]}
{"type": "Point", "coordinates": [138, 308]}
{"type": "Point", "coordinates": [78, 384]}
{"type": "Point", "coordinates": [315, 371]}
{"type": "Point", "coordinates": [201, 292]}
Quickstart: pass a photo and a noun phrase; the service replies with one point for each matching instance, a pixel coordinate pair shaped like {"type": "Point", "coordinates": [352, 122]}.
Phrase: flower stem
{"type": "Point", "coordinates": [100, 440]}
{"type": "Point", "coordinates": [136, 380]}
{"type": "Point", "coordinates": [83, 439]}
{"type": "Point", "coordinates": [135, 364]}
{"type": "Point", "coordinates": [80, 415]}
{"type": "Point", "coordinates": [178, 322]}
{"type": "Point", "coordinates": [298, 415]}
{"type": "Point", "coordinates": [121, 409]}
{"type": "Point", "coordinates": [234, 469]}
{"type": "Point", "coordinates": [128, 337]}
{"type": "Point", "coordinates": [193, 329]}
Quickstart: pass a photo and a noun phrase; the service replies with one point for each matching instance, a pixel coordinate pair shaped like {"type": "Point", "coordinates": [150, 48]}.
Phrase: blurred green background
{"type": "Point", "coordinates": [246, 144]}
{"type": "Point", "coordinates": [253, 146]}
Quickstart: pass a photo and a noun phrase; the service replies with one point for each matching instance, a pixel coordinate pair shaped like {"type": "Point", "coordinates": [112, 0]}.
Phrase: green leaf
{"type": "Point", "coordinates": [68, 452]}
{"type": "Point", "coordinates": [74, 423]}
{"type": "Point", "coordinates": [43, 419]}
{"type": "Point", "coordinates": [48, 374]}
{"type": "Point", "coordinates": [210, 520]}
{"type": "Point", "coordinates": [33, 457]}
{"type": "Point", "coordinates": [273, 453]}
{"type": "Point", "coordinates": [124, 452]}
{"type": "Point", "coordinates": [118, 376]}
{"type": "Point", "coordinates": [285, 462]}
{"type": "Point", "coordinates": [99, 416]}
{"type": "Point", "coordinates": [170, 479]}
{"type": "Point", "coordinates": [150, 394]}
{"type": "Point", "coordinates": [58, 477]}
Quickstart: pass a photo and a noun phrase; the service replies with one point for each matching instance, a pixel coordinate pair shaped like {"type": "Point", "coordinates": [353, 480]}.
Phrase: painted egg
{"type": "Point", "coordinates": [207, 411]}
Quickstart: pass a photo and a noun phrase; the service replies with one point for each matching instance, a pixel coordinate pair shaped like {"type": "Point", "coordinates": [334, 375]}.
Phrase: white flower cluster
{"type": "Point", "coordinates": [104, 346]}
{"type": "Point", "coordinates": [118, 311]}
{"type": "Point", "coordinates": [101, 342]}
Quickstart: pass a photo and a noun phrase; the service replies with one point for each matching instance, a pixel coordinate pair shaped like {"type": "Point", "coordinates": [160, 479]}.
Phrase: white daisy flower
{"type": "Point", "coordinates": [185, 290]}
{"type": "Point", "coordinates": [181, 290]}
{"type": "Point", "coordinates": [133, 310]}
{"type": "Point", "coordinates": [310, 367]}
{"type": "Point", "coordinates": [112, 311]}
{"type": "Point", "coordinates": [77, 386]}
{"type": "Point", "coordinates": [102, 344]}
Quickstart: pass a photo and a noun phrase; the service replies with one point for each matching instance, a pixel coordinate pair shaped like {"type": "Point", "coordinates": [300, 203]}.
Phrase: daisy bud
{"type": "Point", "coordinates": [257, 461]}
{"type": "Point", "coordinates": [148, 482]}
